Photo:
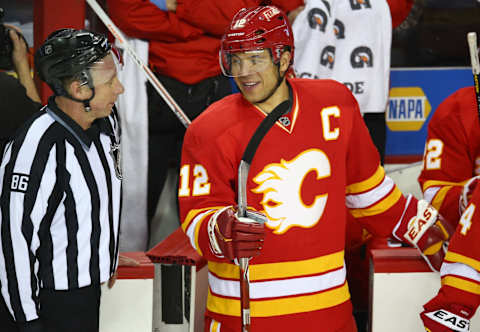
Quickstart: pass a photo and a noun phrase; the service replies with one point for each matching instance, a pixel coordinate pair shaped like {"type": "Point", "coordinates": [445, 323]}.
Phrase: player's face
{"type": "Point", "coordinates": [107, 87]}
{"type": "Point", "coordinates": [255, 85]}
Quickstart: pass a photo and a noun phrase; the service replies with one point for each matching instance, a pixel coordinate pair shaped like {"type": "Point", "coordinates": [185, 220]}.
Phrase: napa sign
{"type": "Point", "coordinates": [414, 96]}
{"type": "Point", "coordinates": [407, 109]}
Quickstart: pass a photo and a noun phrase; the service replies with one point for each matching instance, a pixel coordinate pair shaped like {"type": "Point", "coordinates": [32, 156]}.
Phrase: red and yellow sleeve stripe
{"type": "Point", "coordinates": [193, 222]}
{"type": "Point", "coordinates": [372, 196]}
{"type": "Point", "coordinates": [441, 194]}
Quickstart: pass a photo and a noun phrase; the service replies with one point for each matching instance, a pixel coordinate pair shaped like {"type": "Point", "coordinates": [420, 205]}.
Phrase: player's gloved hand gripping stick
{"type": "Point", "coordinates": [243, 170]}
{"type": "Point", "coordinates": [237, 233]}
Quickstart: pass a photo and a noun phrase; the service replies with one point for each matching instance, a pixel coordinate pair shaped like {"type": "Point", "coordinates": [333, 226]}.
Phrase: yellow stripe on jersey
{"type": "Point", "coordinates": [280, 270]}
{"type": "Point", "coordinates": [439, 197]}
{"type": "Point", "coordinates": [439, 183]}
{"type": "Point", "coordinates": [214, 326]}
{"type": "Point", "coordinates": [458, 258]}
{"type": "Point", "coordinates": [459, 283]}
{"type": "Point", "coordinates": [195, 219]}
{"type": "Point", "coordinates": [443, 229]}
{"type": "Point", "coordinates": [283, 306]}
{"type": "Point", "coordinates": [194, 212]}
{"type": "Point", "coordinates": [367, 184]}
{"type": "Point", "coordinates": [380, 207]}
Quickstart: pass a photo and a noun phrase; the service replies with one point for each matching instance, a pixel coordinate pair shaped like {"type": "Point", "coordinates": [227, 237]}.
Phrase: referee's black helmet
{"type": "Point", "coordinates": [68, 53]}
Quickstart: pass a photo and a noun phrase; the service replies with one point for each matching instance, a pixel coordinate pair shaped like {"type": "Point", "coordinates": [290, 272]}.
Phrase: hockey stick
{"type": "Point", "coordinates": [473, 47]}
{"type": "Point", "coordinates": [243, 170]}
{"type": "Point", "coordinates": [149, 74]}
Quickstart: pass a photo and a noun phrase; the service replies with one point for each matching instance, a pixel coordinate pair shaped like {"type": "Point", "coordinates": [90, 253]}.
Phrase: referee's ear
{"type": "Point", "coordinates": [79, 90]}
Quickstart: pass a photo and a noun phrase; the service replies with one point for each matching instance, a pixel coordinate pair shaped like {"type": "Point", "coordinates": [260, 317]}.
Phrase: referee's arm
{"type": "Point", "coordinates": [23, 204]}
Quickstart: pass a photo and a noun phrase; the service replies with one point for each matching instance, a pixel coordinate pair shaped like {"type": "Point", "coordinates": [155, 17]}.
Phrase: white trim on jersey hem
{"type": "Point", "coordinates": [279, 288]}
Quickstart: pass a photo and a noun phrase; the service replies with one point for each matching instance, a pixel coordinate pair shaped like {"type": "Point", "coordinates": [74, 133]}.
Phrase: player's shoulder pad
{"type": "Point", "coordinates": [327, 86]}
{"type": "Point", "coordinates": [456, 106]}
{"type": "Point", "coordinates": [325, 91]}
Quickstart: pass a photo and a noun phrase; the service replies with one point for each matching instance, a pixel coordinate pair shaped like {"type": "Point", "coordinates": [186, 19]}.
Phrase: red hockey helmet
{"type": "Point", "coordinates": [256, 29]}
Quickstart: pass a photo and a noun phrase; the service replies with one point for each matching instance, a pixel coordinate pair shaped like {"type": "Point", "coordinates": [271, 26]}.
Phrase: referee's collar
{"type": "Point", "coordinates": [85, 137]}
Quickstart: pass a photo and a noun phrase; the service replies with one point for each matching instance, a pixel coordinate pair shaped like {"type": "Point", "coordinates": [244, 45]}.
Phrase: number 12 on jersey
{"type": "Point", "coordinates": [200, 181]}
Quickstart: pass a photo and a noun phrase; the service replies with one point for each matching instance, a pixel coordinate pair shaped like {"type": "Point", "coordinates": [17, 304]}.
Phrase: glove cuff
{"type": "Point", "coordinates": [211, 226]}
{"type": "Point", "coordinates": [449, 319]}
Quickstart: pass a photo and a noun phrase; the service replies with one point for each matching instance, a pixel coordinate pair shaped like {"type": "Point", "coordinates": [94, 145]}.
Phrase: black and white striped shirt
{"type": "Point", "coordinates": [60, 208]}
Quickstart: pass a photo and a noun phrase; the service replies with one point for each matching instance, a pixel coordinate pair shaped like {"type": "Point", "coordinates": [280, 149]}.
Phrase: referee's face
{"type": "Point", "coordinates": [107, 87]}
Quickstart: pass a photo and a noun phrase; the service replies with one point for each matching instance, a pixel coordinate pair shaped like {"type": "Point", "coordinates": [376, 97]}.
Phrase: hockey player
{"type": "Point", "coordinates": [451, 161]}
{"type": "Point", "coordinates": [459, 295]}
{"type": "Point", "coordinates": [313, 164]}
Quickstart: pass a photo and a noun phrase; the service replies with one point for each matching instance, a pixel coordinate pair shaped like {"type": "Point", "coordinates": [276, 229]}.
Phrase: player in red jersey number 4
{"type": "Point", "coordinates": [316, 162]}
{"type": "Point", "coordinates": [459, 296]}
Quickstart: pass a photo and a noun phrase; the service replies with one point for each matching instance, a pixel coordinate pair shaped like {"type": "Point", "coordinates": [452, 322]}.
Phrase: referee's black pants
{"type": "Point", "coordinates": [7, 324]}
{"type": "Point", "coordinates": [70, 311]}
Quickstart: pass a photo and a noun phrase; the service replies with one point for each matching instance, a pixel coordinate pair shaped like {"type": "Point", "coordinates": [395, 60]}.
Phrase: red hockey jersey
{"type": "Point", "coordinates": [312, 165]}
{"type": "Point", "coordinates": [452, 152]}
{"type": "Point", "coordinates": [461, 268]}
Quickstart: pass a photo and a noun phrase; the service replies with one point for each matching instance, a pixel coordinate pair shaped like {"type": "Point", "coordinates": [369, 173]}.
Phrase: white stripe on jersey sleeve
{"type": "Point", "coordinates": [430, 193]}
{"type": "Point", "coordinates": [363, 200]}
{"type": "Point", "coordinates": [21, 252]}
{"type": "Point", "coordinates": [459, 269]}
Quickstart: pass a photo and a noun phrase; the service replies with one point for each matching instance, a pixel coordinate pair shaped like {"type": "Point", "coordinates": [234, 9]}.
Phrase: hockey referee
{"type": "Point", "coordinates": [60, 190]}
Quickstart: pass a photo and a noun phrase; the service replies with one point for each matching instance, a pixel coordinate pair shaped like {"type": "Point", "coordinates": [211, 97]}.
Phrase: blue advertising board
{"type": "Point", "coordinates": [414, 96]}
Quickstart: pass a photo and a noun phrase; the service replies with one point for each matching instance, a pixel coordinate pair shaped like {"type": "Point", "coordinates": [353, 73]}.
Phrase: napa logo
{"type": "Point", "coordinates": [407, 109]}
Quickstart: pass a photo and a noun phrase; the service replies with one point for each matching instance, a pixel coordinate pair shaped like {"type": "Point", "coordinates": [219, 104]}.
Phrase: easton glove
{"type": "Point", "coordinates": [444, 313]}
{"type": "Point", "coordinates": [422, 227]}
{"type": "Point", "coordinates": [232, 237]}
{"type": "Point", "coordinates": [442, 320]}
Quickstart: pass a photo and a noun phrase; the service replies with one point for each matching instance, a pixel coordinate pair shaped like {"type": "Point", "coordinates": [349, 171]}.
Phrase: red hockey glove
{"type": "Point", "coordinates": [467, 193]}
{"type": "Point", "coordinates": [232, 237]}
{"type": "Point", "coordinates": [442, 320]}
{"type": "Point", "coordinates": [441, 314]}
{"type": "Point", "coordinates": [422, 227]}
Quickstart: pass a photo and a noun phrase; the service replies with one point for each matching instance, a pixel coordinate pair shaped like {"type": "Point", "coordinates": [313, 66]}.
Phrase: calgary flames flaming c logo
{"type": "Point", "coordinates": [281, 185]}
